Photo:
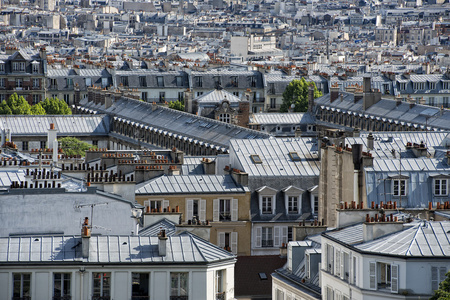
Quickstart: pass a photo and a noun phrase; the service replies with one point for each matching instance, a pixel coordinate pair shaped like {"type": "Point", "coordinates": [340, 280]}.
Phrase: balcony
{"type": "Point", "coordinates": [259, 100]}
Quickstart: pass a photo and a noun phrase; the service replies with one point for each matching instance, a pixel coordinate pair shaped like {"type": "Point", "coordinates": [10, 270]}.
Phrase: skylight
{"type": "Point", "coordinates": [256, 159]}
{"type": "Point", "coordinates": [294, 156]}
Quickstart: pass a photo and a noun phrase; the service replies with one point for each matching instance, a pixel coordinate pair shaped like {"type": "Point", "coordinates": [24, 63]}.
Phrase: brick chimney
{"type": "Point", "coordinates": [162, 243]}
{"type": "Point", "coordinates": [334, 92]}
{"type": "Point", "coordinates": [85, 238]}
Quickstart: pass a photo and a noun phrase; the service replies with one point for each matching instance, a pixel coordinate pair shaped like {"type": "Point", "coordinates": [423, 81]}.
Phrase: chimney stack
{"type": "Point", "coordinates": [51, 135]}
{"type": "Point", "coordinates": [162, 243]}
{"type": "Point", "coordinates": [370, 141]}
{"type": "Point", "coordinates": [334, 92]}
{"type": "Point", "coordinates": [85, 238]}
{"type": "Point", "coordinates": [310, 98]}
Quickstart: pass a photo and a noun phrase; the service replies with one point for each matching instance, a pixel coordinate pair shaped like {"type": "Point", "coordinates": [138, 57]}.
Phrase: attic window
{"type": "Point", "coordinates": [262, 276]}
{"type": "Point", "coordinates": [256, 159]}
{"type": "Point", "coordinates": [294, 156]}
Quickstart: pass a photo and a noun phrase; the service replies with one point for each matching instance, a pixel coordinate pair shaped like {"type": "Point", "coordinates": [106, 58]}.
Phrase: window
{"type": "Point", "coordinates": [445, 85]}
{"type": "Point", "coordinates": [2, 82]}
{"type": "Point", "coordinates": [267, 237]}
{"type": "Point", "coordinates": [217, 81]}
{"type": "Point", "coordinates": [224, 118]}
{"type": "Point", "coordinates": [432, 85]}
{"type": "Point", "coordinates": [69, 82]}
{"type": "Point", "coordinates": [36, 98]}
{"type": "Point", "coordinates": [140, 286]}
{"type": "Point", "coordinates": [21, 286]}
{"type": "Point", "coordinates": [330, 259]}
{"type": "Point", "coordinates": [225, 209]}
{"type": "Point", "coordinates": [220, 285]}
{"type": "Point", "coordinates": [437, 276]}
{"type": "Point", "coordinates": [162, 96]}
{"type": "Point", "coordinates": [445, 102]}
{"type": "Point", "coordinates": [101, 286]}
{"type": "Point", "coordinates": [19, 82]}
{"type": "Point", "coordinates": [199, 94]}
{"type": "Point", "coordinates": [273, 102]}
{"type": "Point", "coordinates": [198, 81]}
{"type": "Point", "coordinates": [24, 146]}
{"type": "Point", "coordinates": [294, 156]}
{"type": "Point", "coordinates": [399, 187]}
{"type": "Point", "coordinates": [67, 98]}
{"type": "Point", "coordinates": [234, 81]}
{"type": "Point", "coordinates": [293, 205]}
{"type": "Point", "coordinates": [43, 144]}
{"type": "Point", "coordinates": [383, 276]}
{"type": "Point", "coordinates": [35, 82]}
{"type": "Point", "coordinates": [272, 89]}
{"type": "Point", "coordinates": [179, 80]}
{"type": "Point", "coordinates": [124, 80]}
{"type": "Point", "coordinates": [160, 81]}
{"type": "Point", "coordinates": [316, 204]}
{"type": "Point", "coordinates": [153, 205]}
{"type": "Point", "coordinates": [61, 286]}
{"type": "Point", "coordinates": [402, 86]}
{"type": "Point", "coordinates": [88, 81]}
{"type": "Point", "coordinates": [431, 101]}
{"type": "Point", "coordinates": [289, 234]}
{"type": "Point", "coordinates": [252, 80]}
{"type": "Point", "coordinates": [440, 187]}
{"type": "Point", "coordinates": [266, 205]}
{"type": "Point", "coordinates": [2, 66]}
{"type": "Point", "coordinates": [419, 85]}
{"type": "Point", "coordinates": [35, 68]}
{"type": "Point", "coordinates": [179, 286]}
{"type": "Point", "coordinates": [19, 66]}
{"type": "Point", "coordinates": [236, 94]}
{"type": "Point", "coordinates": [142, 81]}
{"type": "Point", "coordinates": [53, 83]}
{"type": "Point", "coordinates": [144, 96]}
{"type": "Point", "coordinates": [105, 82]}
{"type": "Point", "coordinates": [181, 96]}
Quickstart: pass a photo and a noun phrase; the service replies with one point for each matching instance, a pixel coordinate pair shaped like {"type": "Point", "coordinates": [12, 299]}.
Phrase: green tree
{"type": "Point", "coordinates": [15, 105]}
{"type": "Point", "coordinates": [73, 146]}
{"type": "Point", "coordinates": [443, 293]}
{"type": "Point", "coordinates": [37, 109]}
{"type": "Point", "coordinates": [178, 105]}
{"type": "Point", "coordinates": [297, 93]}
{"type": "Point", "coordinates": [54, 106]}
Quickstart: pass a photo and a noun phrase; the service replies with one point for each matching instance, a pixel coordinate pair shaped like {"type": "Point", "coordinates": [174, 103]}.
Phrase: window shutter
{"type": "Point", "coordinates": [234, 242]}
{"type": "Point", "coordinates": [342, 264]}
{"type": "Point", "coordinates": [434, 278]}
{"type": "Point", "coordinates": [442, 272]}
{"type": "Point", "coordinates": [338, 263]}
{"type": "Point", "coordinates": [221, 240]}
{"type": "Point", "coordinates": [276, 239]}
{"type": "Point", "coordinates": [373, 274]}
{"type": "Point", "coordinates": [273, 204]}
{"type": "Point", "coordinates": [216, 210]}
{"type": "Point", "coordinates": [165, 204]}
{"type": "Point", "coordinates": [189, 209]}
{"type": "Point", "coordinates": [258, 236]}
{"type": "Point", "coordinates": [202, 210]}
{"type": "Point", "coordinates": [234, 210]}
{"type": "Point", "coordinates": [284, 234]}
{"type": "Point", "coordinates": [394, 278]}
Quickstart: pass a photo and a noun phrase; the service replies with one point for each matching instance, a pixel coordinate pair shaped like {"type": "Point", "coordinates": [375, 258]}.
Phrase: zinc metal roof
{"type": "Point", "coordinates": [155, 228]}
{"type": "Point", "coordinates": [183, 249]}
{"type": "Point", "coordinates": [349, 235]}
{"type": "Point", "coordinates": [275, 158]}
{"type": "Point", "coordinates": [281, 118]}
{"type": "Point", "coordinates": [65, 124]}
{"type": "Point", "coordinates": [181, 123]}
{"type": "Point", "coordinates": [424, 239]}
{"type": "Point", "coordinates": [7, 177]}
{"type": "Point", "coordinates": [217, 96]}
{"type": "Point", "coordinates": [189, 184]}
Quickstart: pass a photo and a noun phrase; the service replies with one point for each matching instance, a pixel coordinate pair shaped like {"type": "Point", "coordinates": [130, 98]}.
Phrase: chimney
{"type": "Point", "coordinates": [162, 242]}
{"type": "Point", "coordinates": [369, 97]}
{"type": "Point", "coordinates": [209, 166]}
{"type": "Point", "coordinates": [334, 92]}
{"type": "Point", "coordinates": [85, 238]}
{"type": "Point", "coordinates": [357, 156]}
{"type": "Point", "coordinates": [188, 98]}
{"type": "Point", "coordinates": [367, 85]}
{"type": "Point", "coordinates": [373, 230]}
{"type": "Point", "coordinates": [51, 135]}
{"type": "Point", "coordinates": [370, 141]}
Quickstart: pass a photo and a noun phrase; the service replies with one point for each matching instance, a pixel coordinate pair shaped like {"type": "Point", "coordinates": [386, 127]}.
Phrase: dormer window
{"type": "Point", "coordinates": [35, 67]}
{"type": "Point", "coordinates": [266, 200]}
{"type": "Point", "coordinates": [293, 199]}
{"type": "Point", "coordinates": [399, 185]}
{"type": "Point", "coordinates": [2, 66]}
{"type": "Point", "coordinates": [18, 66]}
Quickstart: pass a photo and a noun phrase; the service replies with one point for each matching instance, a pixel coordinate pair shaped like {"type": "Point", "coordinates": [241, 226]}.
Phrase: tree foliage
{"type": "Point", "coordinates": [54, 106]}
{"type": "Point", "coordinates": [443, 293]}
{"type": "Point", "coordinates": [17, 105]}
{"type": "Point", "coordinates": [178, 105]}
{"type": "Point", "coordinates": [297, 93]}
{"type": "Point", "coordinates": [74, 146]}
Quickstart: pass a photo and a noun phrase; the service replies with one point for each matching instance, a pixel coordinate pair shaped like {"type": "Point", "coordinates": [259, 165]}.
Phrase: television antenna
{"type": "Point", "coordinates": [92, 205]}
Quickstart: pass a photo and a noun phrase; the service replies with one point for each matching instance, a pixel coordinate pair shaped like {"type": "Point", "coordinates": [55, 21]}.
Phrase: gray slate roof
{"type": "Point", "coordinates": [281, 118]}
{"type": "Point", "coordinates": [183, 249]}
{"type": "Point", "coordinates": [66, 125]}
{"type": "Point", "coordinates": [155, 228]}
{"type": "Point", "coordinates": [189, 184]}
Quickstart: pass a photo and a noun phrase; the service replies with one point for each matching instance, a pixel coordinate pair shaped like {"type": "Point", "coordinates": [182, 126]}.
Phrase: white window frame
{"type": "Point", "coordinates": [163, 203]}
{"type": "Point", "coordinates": [437, 276]}
{"type": "Point", "coordinates": [102, 288]}
{"type": "Point", "coordinates": [267, 204]}
{"type": "Point", "coordinates": [267, 231]}
{"type": "Point", "coordinates": [61, 281]}
{"type": "Point", "coordinates": [442, 189]}
{"type": "Point", "coordinates": [234, 209]}
{"type": "Point", "coordinates": [398, 193]}
{"type": "Point", "coordinates": [374, 267]}
{"type": "Point", "coordinates": [35, 82]}
{"type": "Point", "coordinates": [201, 209]}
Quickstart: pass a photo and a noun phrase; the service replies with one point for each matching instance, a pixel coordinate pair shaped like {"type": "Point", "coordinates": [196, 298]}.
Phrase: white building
{"type": "Point", "coordinates": [385, 260]}
{"type": "Point", "coordinates": [114, 267]}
